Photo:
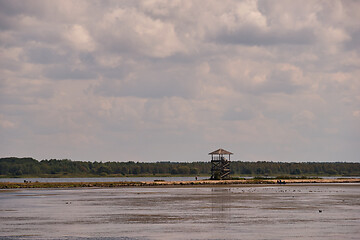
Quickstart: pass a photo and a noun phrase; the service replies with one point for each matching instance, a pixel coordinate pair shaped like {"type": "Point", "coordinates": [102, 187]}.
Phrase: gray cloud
{"type": "Point", "coordinates": [353, 43]}
{"type": "Point", "coordinates": [98, 80]}
{"type": "Point", "coordinates": [281, 81]}
{"type": "Point", "coordinates": [254, 36]}
{"type": "Point", "coordinates": [44, 55]}
{"type": "Point", "coordinates": [239, 115]}
{"type": "Point", "coordinates": [60, 72]}
{"type": "Point", "coordinates": [149, 85]}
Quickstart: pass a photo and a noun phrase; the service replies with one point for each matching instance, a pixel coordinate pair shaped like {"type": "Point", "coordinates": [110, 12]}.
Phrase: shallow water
{"type": "Point", "coordinates": [224, 212]}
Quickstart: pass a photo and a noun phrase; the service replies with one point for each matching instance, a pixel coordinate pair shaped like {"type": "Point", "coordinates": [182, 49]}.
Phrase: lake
{"type": "Point", "coordinates": [303, 211]}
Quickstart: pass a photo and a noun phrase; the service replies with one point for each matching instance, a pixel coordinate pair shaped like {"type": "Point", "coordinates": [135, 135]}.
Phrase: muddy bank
{"type": "Point", "coordinates": [7, 185]}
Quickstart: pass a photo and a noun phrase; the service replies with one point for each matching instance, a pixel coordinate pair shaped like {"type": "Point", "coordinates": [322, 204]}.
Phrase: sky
{"type": "Point", "coordinates": [173, 80]}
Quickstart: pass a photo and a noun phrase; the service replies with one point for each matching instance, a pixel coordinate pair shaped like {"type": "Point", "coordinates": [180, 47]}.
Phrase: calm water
{"type": "Point", "coordinates": [228, 212]}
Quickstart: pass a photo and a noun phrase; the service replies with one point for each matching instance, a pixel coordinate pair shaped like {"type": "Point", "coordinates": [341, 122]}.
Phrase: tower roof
{"type": "Point", "coordinates": [220, 151]}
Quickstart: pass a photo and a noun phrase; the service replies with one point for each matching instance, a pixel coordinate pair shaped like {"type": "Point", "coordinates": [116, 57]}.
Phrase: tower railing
{"type": "Point", "coordinates": [220, 167]}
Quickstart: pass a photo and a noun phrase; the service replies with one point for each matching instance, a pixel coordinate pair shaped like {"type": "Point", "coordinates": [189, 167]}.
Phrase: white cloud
{"type": "Point", "coordinates": [79, 37]}
{"type": "Point", "coordinates": [356, 113]}
{"type": "Point", "coordinates": [134, 30]}
{"type": "Point", "coordinates": [6, 124]}
{"type": "Point", "coordinates": [304, 117]}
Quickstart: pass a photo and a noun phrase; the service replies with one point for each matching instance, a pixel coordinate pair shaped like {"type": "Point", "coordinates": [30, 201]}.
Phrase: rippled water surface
{"type": "Point", "coordinates": [318, 211]}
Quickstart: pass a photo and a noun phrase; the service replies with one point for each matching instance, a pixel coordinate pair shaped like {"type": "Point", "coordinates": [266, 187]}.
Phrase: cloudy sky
{"type": "Point", "coordinates": [174, 80]}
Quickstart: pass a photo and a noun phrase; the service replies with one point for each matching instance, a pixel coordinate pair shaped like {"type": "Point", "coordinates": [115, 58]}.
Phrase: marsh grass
{"type": "Point", "coordinates": [13, 185]}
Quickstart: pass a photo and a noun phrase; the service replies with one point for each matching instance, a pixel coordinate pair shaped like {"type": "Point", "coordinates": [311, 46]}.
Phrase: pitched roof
{"type": "Point", "coordinates": [220, 151]}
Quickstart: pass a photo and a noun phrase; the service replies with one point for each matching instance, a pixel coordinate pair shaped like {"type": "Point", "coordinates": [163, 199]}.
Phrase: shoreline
{"type": "Point", "coordinates": [11, 185]}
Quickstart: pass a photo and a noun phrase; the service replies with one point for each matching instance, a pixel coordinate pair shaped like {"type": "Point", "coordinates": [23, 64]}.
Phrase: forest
{"type": "Point", "coordinates": [29, 167]}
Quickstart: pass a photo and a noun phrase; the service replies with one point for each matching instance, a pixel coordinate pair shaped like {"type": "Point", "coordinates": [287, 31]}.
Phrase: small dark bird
{"type": "Point", "coordinates": [320, 211]}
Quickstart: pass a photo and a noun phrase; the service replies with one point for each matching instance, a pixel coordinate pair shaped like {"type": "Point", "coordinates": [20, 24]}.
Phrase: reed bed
{"type": "Point", "coordinates": [12, 185]}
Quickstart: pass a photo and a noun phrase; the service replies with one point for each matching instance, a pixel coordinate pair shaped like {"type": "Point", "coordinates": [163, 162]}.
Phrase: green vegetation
{"type": "Point", "coordinates": [29, 167]}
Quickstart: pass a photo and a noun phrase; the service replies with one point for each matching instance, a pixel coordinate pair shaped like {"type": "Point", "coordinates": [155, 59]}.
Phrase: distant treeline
{"type": "Point", "coordinates": [16, 167]}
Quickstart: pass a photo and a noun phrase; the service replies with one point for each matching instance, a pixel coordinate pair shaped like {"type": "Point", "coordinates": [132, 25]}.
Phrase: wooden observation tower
{"type": "Point", "coordinates": [220, 166]}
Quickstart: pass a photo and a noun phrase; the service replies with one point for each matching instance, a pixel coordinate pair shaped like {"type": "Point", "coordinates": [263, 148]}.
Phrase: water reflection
{"type": "Point", "coordinates": [221, 200]}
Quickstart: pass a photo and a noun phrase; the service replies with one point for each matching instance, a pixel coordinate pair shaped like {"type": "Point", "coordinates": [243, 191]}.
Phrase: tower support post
{"type": "Point", "coordinates": [220, 166]}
